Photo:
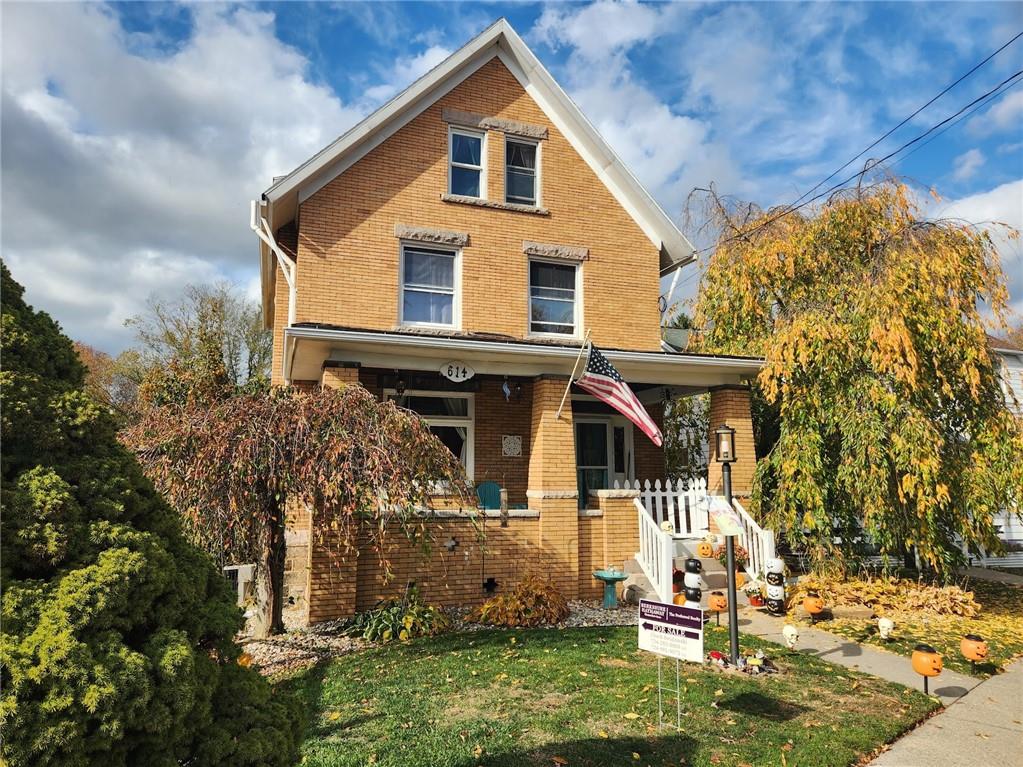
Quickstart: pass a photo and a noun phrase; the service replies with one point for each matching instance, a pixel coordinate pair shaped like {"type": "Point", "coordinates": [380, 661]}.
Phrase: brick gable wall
{"type": "Point", "coordinates": [348, 255]}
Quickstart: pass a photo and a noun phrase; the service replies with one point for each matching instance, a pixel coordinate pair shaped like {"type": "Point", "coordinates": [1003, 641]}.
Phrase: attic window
{"type": "Point", "coordinates": [520, 171]}
{"type": "Point", "coordinates": [465, 169]}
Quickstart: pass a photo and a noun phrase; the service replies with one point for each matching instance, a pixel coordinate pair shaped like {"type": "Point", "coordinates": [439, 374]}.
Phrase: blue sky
{"type": "Point", "coordinates": [135, 134]}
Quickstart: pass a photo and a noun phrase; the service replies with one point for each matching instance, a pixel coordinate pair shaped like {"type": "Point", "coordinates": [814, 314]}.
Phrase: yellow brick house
{"type": "Point", "coordinates": [451, 251]}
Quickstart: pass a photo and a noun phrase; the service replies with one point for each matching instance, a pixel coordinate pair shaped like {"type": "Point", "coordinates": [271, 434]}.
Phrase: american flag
{"type": "Point", "coordinates": [606, 384]}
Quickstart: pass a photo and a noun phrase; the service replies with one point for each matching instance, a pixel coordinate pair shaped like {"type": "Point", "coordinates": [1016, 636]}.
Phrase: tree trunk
{"type": "Point", "coordinates": [276, 550]}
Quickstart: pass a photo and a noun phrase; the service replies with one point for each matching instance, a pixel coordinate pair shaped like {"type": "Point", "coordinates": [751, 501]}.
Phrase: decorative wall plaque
{"type": "Point", "coordinates": [511, 446]}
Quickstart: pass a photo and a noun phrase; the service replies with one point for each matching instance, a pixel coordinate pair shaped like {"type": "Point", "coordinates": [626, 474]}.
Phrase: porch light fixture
{"type": "Point", "coordinates": [399, 384]}
{"type": "Point", "coordinates": [724, 442]}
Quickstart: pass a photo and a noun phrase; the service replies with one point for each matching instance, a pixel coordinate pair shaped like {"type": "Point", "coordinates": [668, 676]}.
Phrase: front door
{"type": "Point", "coordinates": [603, 454]}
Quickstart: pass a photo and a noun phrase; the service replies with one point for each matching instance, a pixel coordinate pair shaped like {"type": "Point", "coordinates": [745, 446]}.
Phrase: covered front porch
{"type": "Point", "coordinates": [570, 469]}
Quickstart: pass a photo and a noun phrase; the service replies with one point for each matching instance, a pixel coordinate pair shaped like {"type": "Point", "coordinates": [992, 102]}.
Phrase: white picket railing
{"type": "Point", "coordinates": [758, 542]}
{"type": "Point", "coordinates": [685, 506]}
{"type": "Point", "coordinates": [656, 553]}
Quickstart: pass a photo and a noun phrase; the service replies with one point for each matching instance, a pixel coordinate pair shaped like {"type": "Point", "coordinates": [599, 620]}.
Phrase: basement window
{"type": "Point", "coordinates": [465, 167]}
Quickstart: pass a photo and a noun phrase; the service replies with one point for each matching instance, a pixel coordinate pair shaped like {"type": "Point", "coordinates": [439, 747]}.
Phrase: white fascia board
{"type": "Point", "coordinates": [393, 108]}
{"type": "Point", "coordinates": [598, 154]}
{"type": "Point", "coordinates": [375, 349]}
{"type": "Point", "coordinates": [375, 134]}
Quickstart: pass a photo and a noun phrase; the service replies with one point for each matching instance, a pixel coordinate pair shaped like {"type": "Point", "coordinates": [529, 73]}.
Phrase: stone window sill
{"type": "Point", "coordinates": [494, 204]}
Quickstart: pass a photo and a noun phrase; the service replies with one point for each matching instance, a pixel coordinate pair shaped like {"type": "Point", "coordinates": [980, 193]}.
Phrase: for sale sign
{"type": "Point", "coordinates": [671, 630]}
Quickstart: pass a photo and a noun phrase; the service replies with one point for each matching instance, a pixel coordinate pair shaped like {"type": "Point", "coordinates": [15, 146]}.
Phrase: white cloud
{"type": "Point", "coordinates": [598, 30]}
{"type": "Point", "coordinates": [404, 72]}
{"type": "Point", "coordinates": [1005, 114]}
{"type": "Point", "coordinates": [966, 165]}
{"type": "Point", "coordinates": [126, 173]}
{"type": "Point", "coordinates": [992, 209]}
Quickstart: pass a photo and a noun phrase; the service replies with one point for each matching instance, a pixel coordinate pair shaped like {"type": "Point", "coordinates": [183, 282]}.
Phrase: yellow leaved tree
{"type": "Point", "coordinates": [872, 321]}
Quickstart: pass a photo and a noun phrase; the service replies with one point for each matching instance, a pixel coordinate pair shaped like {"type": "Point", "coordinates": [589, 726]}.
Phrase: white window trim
{"type": "Point", "coordinates": [578, 308]}
{"type": "Point", "coordinates": [537, 186]}
{"type": "Point", "coordinates": [468, 421]}
{"type": "Point", "coordinates": [456, 303]}
{"type": "Point", "coordinates": [482, 136]}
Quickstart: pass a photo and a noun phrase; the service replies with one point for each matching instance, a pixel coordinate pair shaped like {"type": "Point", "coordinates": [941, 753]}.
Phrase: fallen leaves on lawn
{"type": "Point", "coordinates": [631, 715]}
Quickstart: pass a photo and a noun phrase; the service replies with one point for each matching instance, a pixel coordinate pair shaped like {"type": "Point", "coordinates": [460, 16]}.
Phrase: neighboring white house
{"type": "Point", "coordinates": [1012, 385]}
{"type": "Point", "coordinates": [1012, 372]}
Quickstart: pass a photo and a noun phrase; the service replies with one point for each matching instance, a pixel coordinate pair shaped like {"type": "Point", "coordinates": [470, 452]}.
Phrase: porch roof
{"type": "Point", "coordinates": [308, 346]}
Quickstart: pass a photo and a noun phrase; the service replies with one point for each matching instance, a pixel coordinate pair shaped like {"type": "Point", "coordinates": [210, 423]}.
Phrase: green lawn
{"type": "Point", "coordinates": [1000, 622]}
{"type": "Point", "coordinates": [587, 697]}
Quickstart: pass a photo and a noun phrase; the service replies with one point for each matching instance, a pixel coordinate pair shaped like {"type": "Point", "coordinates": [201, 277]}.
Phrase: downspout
{"type": "Point", "coordinates": [259, 225]}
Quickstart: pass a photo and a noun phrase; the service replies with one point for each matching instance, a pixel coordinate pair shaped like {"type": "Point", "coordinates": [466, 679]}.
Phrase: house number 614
{"type": "Point", "coordinates": [457, 371]}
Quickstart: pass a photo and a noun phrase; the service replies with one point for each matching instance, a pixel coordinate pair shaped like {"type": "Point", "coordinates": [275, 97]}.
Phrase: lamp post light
{"type": "Point", "coordinates": [724, 453]}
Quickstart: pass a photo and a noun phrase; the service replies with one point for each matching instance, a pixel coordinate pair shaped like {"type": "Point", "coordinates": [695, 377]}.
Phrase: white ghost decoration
{"type": "Point", "coordinates": [885, 627]}
{"type": "Point", "coordinates": [791, 634]}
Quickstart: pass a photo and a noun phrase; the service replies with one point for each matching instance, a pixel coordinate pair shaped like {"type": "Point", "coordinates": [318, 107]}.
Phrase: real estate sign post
{"type": "Point", "coordinates": [671, 631]}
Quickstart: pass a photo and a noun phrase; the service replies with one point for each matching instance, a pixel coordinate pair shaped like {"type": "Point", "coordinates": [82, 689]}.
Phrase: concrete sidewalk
{"type": "Point", "coordinates": [984, 729]}
{"type": "Point", "coordinates": [987, 574]}
{"type": "Point", "coordinates": [949, 686]}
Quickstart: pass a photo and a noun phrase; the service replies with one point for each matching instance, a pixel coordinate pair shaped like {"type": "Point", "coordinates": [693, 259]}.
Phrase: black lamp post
{"type": "Point", "coordinates": [724, 453]}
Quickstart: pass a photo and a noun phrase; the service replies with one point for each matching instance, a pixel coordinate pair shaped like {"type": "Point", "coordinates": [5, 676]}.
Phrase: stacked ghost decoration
{"type": "Point", "coordinates": [775, 576]}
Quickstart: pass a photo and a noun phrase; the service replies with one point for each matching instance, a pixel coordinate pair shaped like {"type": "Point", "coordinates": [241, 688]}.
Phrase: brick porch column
{"type": "Point", "coordinates": [731, 405]}
{"type": "Point", "coordinates": [552, 483]}
{"type": "Point", "coordinates": [332, 564]}
{"type": "Point", "coordinates": [339, 374]}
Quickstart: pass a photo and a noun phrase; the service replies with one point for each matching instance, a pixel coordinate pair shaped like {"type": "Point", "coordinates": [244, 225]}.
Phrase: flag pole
{"type": "Point", "coordinates": [571, 378]}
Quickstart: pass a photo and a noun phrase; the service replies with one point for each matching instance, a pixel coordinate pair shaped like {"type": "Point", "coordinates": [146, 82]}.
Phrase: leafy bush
{"type": "Point", "coordinates": [890, 596]}
{"type": "Point", "coordinates": [403, 619]}
{"type": "Point", "coordinates": [118, 636]}
{"type": "Point", "coordinates": [535, 601]}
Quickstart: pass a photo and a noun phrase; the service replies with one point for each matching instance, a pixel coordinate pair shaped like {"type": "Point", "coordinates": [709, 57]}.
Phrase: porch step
{"type": "Point", "coordinates": [637, 586]}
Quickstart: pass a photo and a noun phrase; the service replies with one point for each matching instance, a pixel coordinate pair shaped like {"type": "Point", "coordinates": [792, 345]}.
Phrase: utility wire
{"type": "Point", "coordinates": [793, 208]}
{"type": "Point", "coordinates": [918, 111]}
{"type": "Point", "coordinates": [958, 120]}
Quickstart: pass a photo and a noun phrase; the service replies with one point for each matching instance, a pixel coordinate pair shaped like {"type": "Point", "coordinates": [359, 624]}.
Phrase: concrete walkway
{"type": "Point", "coordinates": [949, 686]}
{"type": "Point", "coordinates": [997, 576]}
{"type": "Point", "coordinates": [984, 729]}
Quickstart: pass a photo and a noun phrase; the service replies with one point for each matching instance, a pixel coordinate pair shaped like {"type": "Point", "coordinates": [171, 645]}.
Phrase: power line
{"type": "Point", "coordinates": [793, 208]}
{"type": "Point", "coordinates": [906, 120]}
{"type": "Point", "coordinates": [957, 121]}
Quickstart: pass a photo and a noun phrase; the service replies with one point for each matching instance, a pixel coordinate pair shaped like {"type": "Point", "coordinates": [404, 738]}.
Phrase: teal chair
{"type": "Point", "coordinates": [489, 495]}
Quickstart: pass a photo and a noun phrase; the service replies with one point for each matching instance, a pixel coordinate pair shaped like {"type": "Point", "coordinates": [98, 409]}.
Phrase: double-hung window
{"type": "Point", "coordinates": [553, 298]}
{"type": "Point", "coordinates": [465, 171]}
{"type": "Point", "coordinates": [450, 417]}
{"type": "Point", "coordinates": [520, 171]}
{"type": "Point", "coordinates": [428, 286]}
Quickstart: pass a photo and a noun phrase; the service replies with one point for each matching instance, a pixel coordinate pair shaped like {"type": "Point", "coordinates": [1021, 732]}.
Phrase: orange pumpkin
{"type": "Point", "coordinates": [679, 599]}
{"type": "Point", "coordinates": [973, 647]}
{"type": "Point", "coordinates": [926, 660]}
{"type": "Point", "coordinates": [813, 604]}
{"type": "Point", "coordinates": [717, 602]}
{"type": "Point", "coordinates": [740, 579]}
{"type": "Point", "coordinates": [705, 550]}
